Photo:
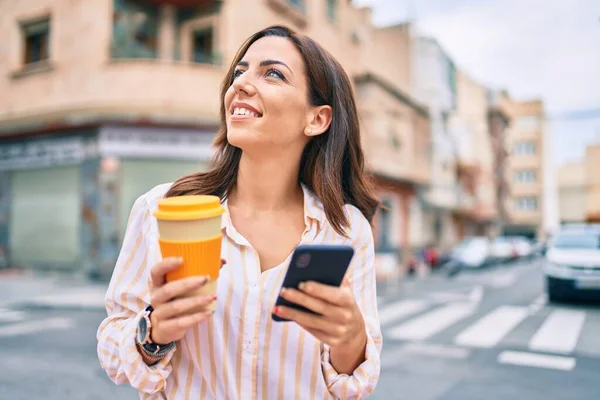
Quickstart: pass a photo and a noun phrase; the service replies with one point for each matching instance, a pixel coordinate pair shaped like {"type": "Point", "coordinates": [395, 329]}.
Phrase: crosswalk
{"type": "Point", "coordinates": [17, 323]}
{"type": "Point", "coordinates": [553, 331]}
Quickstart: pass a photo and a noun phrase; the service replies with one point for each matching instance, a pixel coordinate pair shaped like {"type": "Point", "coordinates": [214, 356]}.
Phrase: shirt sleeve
{"type": "Point", "coordinates": [127, 296]}
{"type": "Point", "coordinates": [361, 278]}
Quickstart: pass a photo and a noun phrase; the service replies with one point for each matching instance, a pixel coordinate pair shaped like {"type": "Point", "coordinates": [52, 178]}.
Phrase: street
{"type": "Point", "coordinates": [486, 334]}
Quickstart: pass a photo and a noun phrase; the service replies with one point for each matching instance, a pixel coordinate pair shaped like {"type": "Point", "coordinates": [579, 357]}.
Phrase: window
{"type": "Point", "coordinates": [526, 176]}
{"type": "Point", "coordinates": [36, 39]}
{"type": "Point", "coordinates": [385, 223]}
{"type": "Point", "coordinates": [394, 139]}
{"type": "Point", "coordinates": [135, 30]}
{"type": "Point", "coordinates": [528, 123]}
{"type": "Point", "coordinates": [331, 10]}
{"type": "Point", "coordinates": [524, 148]}
{"type": "Point", "coordinates": [299, 4]}
{"type": "Point", "coordinates": [526, 204]}
{"type": "Point", "coordinates": [203, 51]}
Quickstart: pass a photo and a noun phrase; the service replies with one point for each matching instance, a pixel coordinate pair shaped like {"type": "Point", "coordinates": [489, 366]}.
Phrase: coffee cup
{"type": "Point", "coordinates": [190, 227]}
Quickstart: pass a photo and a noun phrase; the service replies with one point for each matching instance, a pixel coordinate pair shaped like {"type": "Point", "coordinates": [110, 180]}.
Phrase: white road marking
{"type": "Point", "coordinates": [537, 360]}
{"type": "Point", "coordinates": [7, 315]}
{"type": "Point", "coordinates": [489, 330]}
{"type": "Point", "coordinates": [400, 309]}
{"type": "Point", "coordinates": [538, 304]}
{"type": "Point", "coordinates": [24, 328]}
{"type": "Point", "coordinates": [427, 325]}
{"type": "Point", "coordinates": [559, 333]}
{"type": "Point", "coordinates": [437, 350]}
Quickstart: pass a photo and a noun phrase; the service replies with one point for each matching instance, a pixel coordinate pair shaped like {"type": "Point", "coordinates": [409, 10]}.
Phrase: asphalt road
{"type": "Point", "coordinates": [482, 335]}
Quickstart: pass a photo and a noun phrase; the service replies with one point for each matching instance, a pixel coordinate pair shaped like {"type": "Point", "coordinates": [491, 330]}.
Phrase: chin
{"type": "Point", "coordinates": [242, 138]}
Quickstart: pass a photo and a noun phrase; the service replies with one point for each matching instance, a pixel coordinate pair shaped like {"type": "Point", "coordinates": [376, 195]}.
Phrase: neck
{"type": "Point", "coordinates": [266, 184]}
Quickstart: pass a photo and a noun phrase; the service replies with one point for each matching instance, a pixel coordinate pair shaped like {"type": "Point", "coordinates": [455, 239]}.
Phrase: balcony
{"type": "Point", "coordinates": [442, 196]}
{"type": "Point", "coordinates": [465, 201]}
{"type": "Point", "coordinates": [400, 164]}
{"type": "Point", "coordinates": [187, 3]}
{"type": "Point", "coordinates": [295, 10]}
{"type": "Point", "coordinates": [120, 89]}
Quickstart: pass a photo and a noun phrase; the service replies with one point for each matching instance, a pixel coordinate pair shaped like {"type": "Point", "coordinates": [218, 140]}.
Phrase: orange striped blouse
{"type": "Point", "coordinates": [239, 353]}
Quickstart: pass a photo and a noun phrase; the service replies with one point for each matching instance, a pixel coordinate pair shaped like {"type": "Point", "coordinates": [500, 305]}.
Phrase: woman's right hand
{"type": "Point", "coordinates": [171, 319]}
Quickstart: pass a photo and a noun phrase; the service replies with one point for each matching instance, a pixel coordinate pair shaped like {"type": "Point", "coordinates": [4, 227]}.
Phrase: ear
{"type": "Point", "coordinates": [318, 120]}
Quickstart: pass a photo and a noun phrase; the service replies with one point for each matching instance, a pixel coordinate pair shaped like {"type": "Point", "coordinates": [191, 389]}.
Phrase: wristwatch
{"type": "Point", "coordinates": [152, 351]}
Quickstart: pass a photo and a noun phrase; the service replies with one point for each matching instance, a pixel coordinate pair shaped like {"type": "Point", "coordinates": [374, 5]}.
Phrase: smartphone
{"type": "Point", "coordinates": [326, 264]}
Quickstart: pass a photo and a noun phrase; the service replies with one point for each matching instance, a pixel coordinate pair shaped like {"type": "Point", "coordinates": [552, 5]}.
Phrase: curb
{"type": "Point", "coordinates": [44, 305]}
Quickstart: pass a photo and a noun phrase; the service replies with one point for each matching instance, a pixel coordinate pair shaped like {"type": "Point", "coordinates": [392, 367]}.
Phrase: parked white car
{"type": "Point", "coordinates": [502, 249]}
{"type": "Point", "coordinates": [572, 264]}
{"type": "Point", "coordinates": [522, 246]}
{"type": "Point", "coordinates": [473, 252]}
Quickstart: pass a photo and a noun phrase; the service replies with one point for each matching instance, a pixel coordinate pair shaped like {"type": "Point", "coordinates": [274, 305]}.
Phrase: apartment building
{"type": "Point", "coordinates": [525, 168]}
{"type": "Point", "coordinates": [572, 192]}
{"type": "Point", "coordinates": [477, 205]}
{"type": "Point", "coordinates": [434, 84]}
{"type": "Point", "coordinates": [104, 99]}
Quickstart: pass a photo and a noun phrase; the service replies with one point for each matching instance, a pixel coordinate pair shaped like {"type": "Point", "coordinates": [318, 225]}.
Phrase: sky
{"type": "Point", "coordinates": [533, 48]}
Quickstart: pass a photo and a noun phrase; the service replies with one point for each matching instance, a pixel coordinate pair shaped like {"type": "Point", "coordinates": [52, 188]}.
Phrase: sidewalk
{"type": "Point", "coordinates": [31, 289]}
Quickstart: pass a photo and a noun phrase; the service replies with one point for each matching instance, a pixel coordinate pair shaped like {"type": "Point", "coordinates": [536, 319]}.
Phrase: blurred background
{"type": "Point", "coordinates": [481, 128]}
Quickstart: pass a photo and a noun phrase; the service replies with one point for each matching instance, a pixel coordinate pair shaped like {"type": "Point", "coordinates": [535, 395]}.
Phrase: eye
{"type": "Point", "coordinates": [273, 73]}
{"type": "Point", "coordinates": [236, 74]}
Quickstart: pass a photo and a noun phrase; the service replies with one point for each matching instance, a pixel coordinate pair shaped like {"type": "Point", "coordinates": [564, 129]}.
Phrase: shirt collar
{"type": "Point", "coordinates": [313, 210]}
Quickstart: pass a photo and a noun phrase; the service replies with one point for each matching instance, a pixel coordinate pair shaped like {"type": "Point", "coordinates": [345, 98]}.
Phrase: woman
{"type": "Point", "coordinates": [289, 169]}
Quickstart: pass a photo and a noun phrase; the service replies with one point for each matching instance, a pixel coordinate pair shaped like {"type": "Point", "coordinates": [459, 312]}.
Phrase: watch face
{"type": "Point", "coordinates": [142, 330]}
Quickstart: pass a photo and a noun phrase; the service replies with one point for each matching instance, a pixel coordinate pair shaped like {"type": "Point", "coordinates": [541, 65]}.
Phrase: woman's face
{"type": "Point", "coordinates": [267, 104]}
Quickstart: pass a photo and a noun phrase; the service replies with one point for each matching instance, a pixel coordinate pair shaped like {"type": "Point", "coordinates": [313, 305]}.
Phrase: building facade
{"type": "Point", "coordinates": [477, 208]}
{"type": "Point", "coordinates": [525, 169]}
{"type": "Point", "coordinates": [572, 193]}
{"type": "Point", "coordinates": [499, 109]}
{"type": "Point", "coordinates": [434, 84]}
{"type": "Point", "coordinates": [104, 99]}
{"type": "Point", "coordinates": [592, 168]}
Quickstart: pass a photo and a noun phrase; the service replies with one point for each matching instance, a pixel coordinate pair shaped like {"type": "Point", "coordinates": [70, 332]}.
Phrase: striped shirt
{"type": "Point", "coordinates": [240, 352]}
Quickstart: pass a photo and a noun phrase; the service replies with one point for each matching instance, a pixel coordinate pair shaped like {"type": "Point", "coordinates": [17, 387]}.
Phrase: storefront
{"type": "Point", "coordinates": [66, 197]}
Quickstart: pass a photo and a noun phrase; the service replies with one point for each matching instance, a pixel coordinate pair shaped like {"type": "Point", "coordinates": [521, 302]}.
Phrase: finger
{"type": "Point", "coordinates": [176, 288]}
{"type": "Point", "coordinates": [346, 281]}
{"type": "Point", "coordinates": [304, 319]}
{"type": "Point", "coordinates": [159, 271]}
{"type": "Point", "coordinates": [178, 307]}
{"type": "Point", "coordinates": [184, 322]}
{"type": "Point", "coordinates": [341, 296]}
{"type": "Point", "coordinates": [312, 303]}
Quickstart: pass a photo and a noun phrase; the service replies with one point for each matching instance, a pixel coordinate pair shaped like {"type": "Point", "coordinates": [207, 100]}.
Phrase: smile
{"type": "Point", "coordinates": [245, 112]}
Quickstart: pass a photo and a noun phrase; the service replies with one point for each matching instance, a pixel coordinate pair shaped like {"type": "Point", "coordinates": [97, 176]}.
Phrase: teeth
{"type": "Point", "coordinates": [243, 111]}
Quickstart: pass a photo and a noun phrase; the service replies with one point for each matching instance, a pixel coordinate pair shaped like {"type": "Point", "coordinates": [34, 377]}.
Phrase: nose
{"type": "Point", "coordinates": [243, 84]}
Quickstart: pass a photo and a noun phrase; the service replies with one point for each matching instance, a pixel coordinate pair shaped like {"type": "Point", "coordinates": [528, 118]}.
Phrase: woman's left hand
{"type": "Point", "coordinates": [340, 322]}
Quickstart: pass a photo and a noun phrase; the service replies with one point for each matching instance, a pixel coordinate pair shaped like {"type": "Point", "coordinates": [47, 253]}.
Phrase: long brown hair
{"type": "Point", "coordinates": [332, 163]}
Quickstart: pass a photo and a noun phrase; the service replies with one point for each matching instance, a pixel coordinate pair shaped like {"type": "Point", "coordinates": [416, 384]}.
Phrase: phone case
{"type": "Point", "coordinates": [325, 264]}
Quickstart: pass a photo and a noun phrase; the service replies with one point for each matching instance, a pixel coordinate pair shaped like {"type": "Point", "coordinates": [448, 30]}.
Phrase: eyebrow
{"type": "Point", "coordinates": [265, 63]}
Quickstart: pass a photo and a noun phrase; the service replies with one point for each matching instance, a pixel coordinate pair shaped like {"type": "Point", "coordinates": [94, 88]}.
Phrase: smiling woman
{"type": "Point", "coordinates": [289, 171]}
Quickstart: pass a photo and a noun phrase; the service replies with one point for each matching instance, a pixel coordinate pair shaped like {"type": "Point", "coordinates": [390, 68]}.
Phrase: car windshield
{"type": "Point", "coordinates": [577, 241]}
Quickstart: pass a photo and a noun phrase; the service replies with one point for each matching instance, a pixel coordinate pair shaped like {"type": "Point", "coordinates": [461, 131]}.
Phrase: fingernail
{"type": "Point", "coordinates": [283, 291]}
{"type": "Point", "coordinates": [302, 286]}
{"type": "Point", "coordinates": [214, 297]}
{"type": "Point", "coordinates": [276, 310]}
{"type": "Point", "coordinates": [180, 259]}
